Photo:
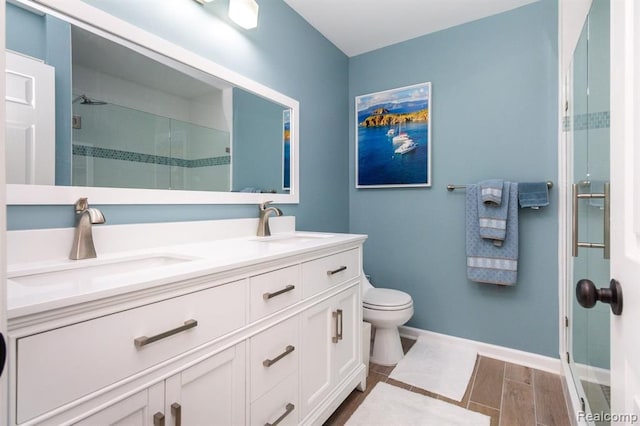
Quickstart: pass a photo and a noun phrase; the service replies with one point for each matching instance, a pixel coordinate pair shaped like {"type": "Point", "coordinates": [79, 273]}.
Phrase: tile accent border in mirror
{"type": "Point", "coordinates": [114, 154]}
{"type": "Point", "coordinates": [592, 120]}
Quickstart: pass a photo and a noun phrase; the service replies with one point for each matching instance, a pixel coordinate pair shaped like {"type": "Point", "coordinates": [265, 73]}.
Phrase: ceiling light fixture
{"type": "Point", "coordinates": [244, 13]}
{"type": "Point", "coordinates": [204, 1]}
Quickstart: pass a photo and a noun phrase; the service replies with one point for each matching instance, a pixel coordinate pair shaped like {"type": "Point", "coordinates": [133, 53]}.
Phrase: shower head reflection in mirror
{"type": "Point", "coordinates": [85, 100]}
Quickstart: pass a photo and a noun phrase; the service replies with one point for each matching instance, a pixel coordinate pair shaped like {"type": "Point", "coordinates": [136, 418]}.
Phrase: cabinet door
{"type": "Point", "coordinates": [317, 333]}
{"type": "Point", "coordinates": [211, 392]}
{"type": "Point", "coordinates": [136, 410]}
{"type": "Point", "coordinates": [346, 352]}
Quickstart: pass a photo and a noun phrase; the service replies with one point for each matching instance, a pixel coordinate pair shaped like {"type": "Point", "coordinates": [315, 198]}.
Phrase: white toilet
{"type": "Point", "coordinates": [386, 309]}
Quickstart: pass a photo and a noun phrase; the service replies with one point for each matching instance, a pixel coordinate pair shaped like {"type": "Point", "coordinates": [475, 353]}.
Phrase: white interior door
{"type": "Point", "coordinates": [30, 121]}
{"type": "Point", "coordinates": [625, 207]}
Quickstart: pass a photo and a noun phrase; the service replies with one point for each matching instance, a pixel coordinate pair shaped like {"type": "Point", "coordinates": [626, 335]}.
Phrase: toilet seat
{"type": "Point", "coordinates": [386, 299]}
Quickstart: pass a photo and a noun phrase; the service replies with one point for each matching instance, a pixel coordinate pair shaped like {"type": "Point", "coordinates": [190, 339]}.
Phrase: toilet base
{"type": "Point", "coordinates": [387, 348]}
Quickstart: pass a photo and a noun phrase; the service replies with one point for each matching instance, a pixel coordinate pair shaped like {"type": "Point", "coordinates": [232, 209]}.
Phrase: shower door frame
{"type": "Point", "coordinates": [574, 391]}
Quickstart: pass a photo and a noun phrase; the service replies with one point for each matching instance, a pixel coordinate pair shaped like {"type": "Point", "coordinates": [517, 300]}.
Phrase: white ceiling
{"type": "Point", "coordinates": [359, 26]}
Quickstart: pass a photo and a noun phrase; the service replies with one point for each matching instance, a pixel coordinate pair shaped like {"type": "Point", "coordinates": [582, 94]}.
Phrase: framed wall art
{"type": "Point", "coordinates": [393, 138]}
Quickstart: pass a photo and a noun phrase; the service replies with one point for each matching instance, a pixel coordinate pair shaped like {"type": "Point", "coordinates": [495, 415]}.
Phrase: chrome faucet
{"type": "Point", "coordinates": [263, 224]}
{"type": "Point", "coordinates": [86, 216]}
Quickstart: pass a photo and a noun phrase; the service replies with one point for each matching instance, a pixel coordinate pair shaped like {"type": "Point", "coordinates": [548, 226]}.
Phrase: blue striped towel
{"type": "Point", "coordinates": [491, 192]}
{"type": "Point", "coordinates": [493, 218]}
{"type": "Point", "coordinates": [487, 263]}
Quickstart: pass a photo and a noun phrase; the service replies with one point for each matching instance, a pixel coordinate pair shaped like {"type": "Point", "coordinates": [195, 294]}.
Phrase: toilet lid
{"type": "Point", "coordinates": [386, 298]}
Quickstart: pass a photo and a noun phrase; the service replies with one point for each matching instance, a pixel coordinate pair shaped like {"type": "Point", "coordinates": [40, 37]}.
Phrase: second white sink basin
{"type": "Point", "coordinates": [82, 272]}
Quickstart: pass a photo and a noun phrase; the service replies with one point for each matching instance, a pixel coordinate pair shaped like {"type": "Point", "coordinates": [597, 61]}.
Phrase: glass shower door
{"type": "Point", "coordinates": [587, 125]}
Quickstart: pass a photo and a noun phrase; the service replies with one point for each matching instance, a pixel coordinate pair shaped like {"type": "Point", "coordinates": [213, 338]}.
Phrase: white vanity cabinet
{"type": "Point", "coordinates": [275, 341]}
{"type": "Point", "coordinates": [212, 392]}
{"type": "Point", "coordinates": [330, 346]}
{"type": "Point", "coordinates": [209, 393]}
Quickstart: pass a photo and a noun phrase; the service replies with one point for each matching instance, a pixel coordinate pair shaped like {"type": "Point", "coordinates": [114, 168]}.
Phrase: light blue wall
{"type": "Point", "coordinates": [26, 32]}
{"type": "Point", "coordinates": [494, 115]}
{"type": "Point", "coordinates": [284, 53]}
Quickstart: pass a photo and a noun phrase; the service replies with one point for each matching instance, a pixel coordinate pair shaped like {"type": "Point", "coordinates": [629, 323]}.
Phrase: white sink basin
{"type": "Point", "coordinates": [296, 238]}
{"type": "Point", "coordinates": [94, 269]}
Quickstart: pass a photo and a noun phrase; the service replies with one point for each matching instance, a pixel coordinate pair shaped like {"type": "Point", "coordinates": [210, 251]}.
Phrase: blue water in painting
{"type": "Point", "coordinates": [379, 165]}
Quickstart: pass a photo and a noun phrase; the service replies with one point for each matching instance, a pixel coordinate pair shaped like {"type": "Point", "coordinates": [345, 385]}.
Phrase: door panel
{"type": "Point", "coordinates": [136, 410]}
{"type": "Point", "coordinates": [347, 349]}
{"type": "Point", "coordinates": [30, 121]}
{"type": "Point", "coordinates": [625, 204]}
{"type": "Point", "coordinates": [211, 392]}
{"type": "Point", "coordinates": [317, 332]}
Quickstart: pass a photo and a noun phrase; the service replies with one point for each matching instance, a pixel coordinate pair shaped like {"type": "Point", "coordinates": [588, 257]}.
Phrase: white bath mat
{"type": "Point", "coordinates": [390, 405]}
{"type": "Point", "coordinates": [441, 367]}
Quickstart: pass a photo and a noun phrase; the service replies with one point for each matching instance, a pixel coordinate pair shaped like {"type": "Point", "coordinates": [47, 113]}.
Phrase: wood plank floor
{"type": "Point", "coordinates": [512, 395]}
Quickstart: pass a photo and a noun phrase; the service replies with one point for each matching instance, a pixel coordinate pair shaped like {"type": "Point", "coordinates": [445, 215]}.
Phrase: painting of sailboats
{"type": "Point", "coordinates": [393, 138]}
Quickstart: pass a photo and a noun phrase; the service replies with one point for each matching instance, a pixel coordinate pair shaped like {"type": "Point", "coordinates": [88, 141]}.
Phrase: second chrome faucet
{"type": "Point", "coordinates": [86, 216]}
{"type": "Point", "coordinates": [263, 222]}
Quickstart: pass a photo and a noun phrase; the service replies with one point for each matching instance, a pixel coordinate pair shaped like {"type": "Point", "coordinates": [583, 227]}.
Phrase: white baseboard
{"type": "Point", "coordinates": [527, 359]}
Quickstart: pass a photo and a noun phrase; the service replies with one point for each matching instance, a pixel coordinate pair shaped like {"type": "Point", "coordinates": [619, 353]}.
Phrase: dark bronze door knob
{"type": "Point", "coordinates": [587, 295]}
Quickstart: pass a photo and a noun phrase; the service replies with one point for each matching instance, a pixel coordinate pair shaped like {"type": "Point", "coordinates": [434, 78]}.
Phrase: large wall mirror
{"type": "Point", "coordinates": [109, 111]}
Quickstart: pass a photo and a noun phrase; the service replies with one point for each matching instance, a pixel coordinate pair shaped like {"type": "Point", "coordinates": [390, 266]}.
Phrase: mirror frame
{"type": "Point", "coordinates": [99, 22]}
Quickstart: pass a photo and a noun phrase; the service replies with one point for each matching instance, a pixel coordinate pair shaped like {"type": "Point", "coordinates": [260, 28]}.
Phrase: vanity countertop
{"type": "Point", "coordinates": [40, 286]}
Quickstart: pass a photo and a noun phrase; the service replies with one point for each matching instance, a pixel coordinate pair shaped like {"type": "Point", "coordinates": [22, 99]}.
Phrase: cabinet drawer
{"type": "Point", "coordinates": [274, 356]}
{"type": "Point", "coordinates": [281, 401]}
{"type": "Point", "coordinates": [274, 290]}
{"type": "Point", "coordinates": [323, 273]}
{"type": "Point", "coordinates": [58, 366]}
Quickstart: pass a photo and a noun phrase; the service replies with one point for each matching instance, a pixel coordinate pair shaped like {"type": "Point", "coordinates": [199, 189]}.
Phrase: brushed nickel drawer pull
{"type": "Point", "coordinates": [335, 271]}
{"type": "Point", "coordinates": [144, 340]}
{"type": "Point", "coordinates": [288, 409]}
{"type": "Point", "coordinates": [287, 351]}
{"type": "Point", "coordinates": [340, 318]}
{"type": "Point", "coordinates": [267, 296]}
{"type": "Point", "coordinates": [176, 412]}
{"type": "Point", "coordinates": [337, 336]}
{"type": "Point", "coordinates": [158, 419]}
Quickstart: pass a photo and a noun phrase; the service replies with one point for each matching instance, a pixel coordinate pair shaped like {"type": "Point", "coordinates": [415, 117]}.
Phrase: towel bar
{"type": "Point", "coordinates": [451, 187]}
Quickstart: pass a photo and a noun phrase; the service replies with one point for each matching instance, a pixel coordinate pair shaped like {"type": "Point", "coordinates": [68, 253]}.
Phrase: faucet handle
{"type": "Point", "coordinates": [263, 206]}
{"type": "Point", "coordinates": [82, 204]}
